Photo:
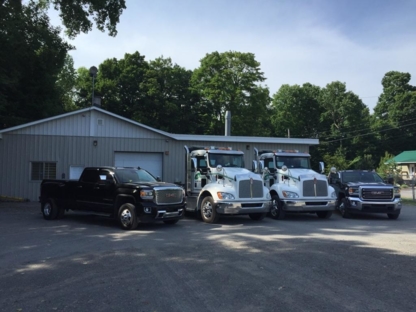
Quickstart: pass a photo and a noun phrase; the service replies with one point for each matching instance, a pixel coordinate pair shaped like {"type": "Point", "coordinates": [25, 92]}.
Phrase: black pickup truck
{"type": "Point", "coordinates": [362, 191]}
{"type": "Point", "coordinates": [130, 195]}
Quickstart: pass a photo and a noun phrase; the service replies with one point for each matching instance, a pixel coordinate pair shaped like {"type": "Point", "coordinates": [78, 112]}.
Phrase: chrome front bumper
{"type": "Point", "coordinates": [356, 204]}
{"type": "Point", "coordinates": [309, 206]}
{"type": "Point", "coordinates": [225, 207]}
{"type": "Point", "coordinates": [162, 214]}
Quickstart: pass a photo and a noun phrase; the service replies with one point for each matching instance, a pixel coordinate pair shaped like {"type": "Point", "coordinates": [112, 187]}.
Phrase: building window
{"type": "Point", "coordinates": [43, 170]}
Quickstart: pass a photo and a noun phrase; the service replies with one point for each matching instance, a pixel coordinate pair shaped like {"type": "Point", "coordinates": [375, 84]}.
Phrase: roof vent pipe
{"type": "Point", "coordinates": [227, 123]}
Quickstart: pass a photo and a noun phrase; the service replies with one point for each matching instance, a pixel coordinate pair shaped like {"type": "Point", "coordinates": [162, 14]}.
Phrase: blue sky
{"type": "Point", "coordinates": [296, 41]}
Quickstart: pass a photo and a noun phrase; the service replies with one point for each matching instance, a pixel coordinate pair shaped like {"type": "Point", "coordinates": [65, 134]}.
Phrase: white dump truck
{"type": "Point", "coordinates": [217, 183]}
{"type": "Point", "coordinates": [293, 185]}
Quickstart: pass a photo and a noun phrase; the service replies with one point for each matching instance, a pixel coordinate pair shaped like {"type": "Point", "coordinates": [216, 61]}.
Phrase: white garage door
{"type": "Point", "coordinates": [152, 162]}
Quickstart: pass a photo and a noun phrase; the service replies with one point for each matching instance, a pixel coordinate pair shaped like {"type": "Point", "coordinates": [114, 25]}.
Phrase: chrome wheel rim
{"type": "Point", "coordinates": [125, 217]}
{"type": "Point", "coordinates": [275, 209]}
{"type": "Point", "coordinates": [207, 210]}
{"type": "Point", "coordinates": [47, 209]}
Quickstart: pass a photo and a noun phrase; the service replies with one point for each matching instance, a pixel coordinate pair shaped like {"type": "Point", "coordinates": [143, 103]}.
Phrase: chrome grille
{"type": "Point", "coordinates": [309, 188]}
{"type": "Point", "coordinates": [250, 189]}
{"type": "Point", "coordinates": [376, 193]}
{"type": "Point", "coordinates": [168, 196]}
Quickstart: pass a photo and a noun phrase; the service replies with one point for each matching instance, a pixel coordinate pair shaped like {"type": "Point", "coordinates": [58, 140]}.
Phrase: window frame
{"type": "Point", "coordinates": [45, 172]}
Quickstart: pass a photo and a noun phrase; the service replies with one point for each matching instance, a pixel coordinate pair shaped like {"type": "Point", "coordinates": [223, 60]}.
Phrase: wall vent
{"type": "Point", "coordinates": [100, 122]}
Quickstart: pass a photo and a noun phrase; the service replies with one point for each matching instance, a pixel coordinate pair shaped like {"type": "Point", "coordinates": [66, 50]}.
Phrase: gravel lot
{"type": "Point", "coordinates": [302, 263]}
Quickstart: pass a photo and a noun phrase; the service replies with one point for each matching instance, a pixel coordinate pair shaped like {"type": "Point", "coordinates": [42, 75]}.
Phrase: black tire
{"type": "Point", "coordinates": [393, 216]}
{"type": "Point", "coordinates": [171, 221]}
{"type": "Point", "coordinates": [324, 214]}
{"type": "Point", "coordinates": [276, 210]}
{"type": "Point", "coordinates": [127, 217]}
{"type": "Point", "coordinates": [208, 210]}
{"type": "Point", "coordinates": [343, 209]}
{"type": "Point", "coordinates": [49, 209]}
{"type": "Point", "coordinates": [257, 216]}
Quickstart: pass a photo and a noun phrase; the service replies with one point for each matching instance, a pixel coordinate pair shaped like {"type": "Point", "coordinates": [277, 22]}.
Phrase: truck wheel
{"type": "Point", "coordinates": [324, 214]}
{"type": "Point", "coordinates": [170, 221]}
{"type": "Point", "coordinates": [343, 209]}
{"type": "Point", "coordinates": [127, 217]}
{"type": "Point", "coordinates": [257, 216]}
{"type": "Point", "coordinates": [49, 209]}
{"type": "Point", "coordinates": [208, 212]}
{"type": "Point", "coordinates": [276, 210]}
{"type": "Point", "coordinates": [393, 216]}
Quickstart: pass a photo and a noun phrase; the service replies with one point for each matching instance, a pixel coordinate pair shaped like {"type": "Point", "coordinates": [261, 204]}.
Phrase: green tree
{"type": "Point", "coordinates": [395, 113]}
{"type": "Point", "coordinates": [119, 84]}
{"type": "Point", "coordinates": [66, 81]}
{"type": "Point", "coordinates": [296, 110]}
{"type": "Point", "coordinates": [347, 120]}
{"type": "Point", "coordinates": [32, 56]}
{"type": "Point", "coordinates": [388, 168]}
{"type": "Point", "coordinates": [231, 81]}
{"type": "Point", "coordinates": [170, 104]}
{"type": "Point", "coordinates": [76, 15]}
{"type": "Point", "coordinates": [339, 161]}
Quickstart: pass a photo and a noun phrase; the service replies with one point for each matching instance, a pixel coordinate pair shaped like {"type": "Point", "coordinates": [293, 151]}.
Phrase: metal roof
{"type": "Point", "coordinates": [178, 137]}
{"type": "Point", "coordinates": [405, 157]}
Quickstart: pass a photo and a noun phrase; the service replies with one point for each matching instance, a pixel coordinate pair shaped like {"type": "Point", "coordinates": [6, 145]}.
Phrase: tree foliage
{"type": "Point", "coordinates": [394, 118]}
{"type": "Point", "coordinates": [346, 120]}
{"type": "Point", "coordinates": [230, 81]}
{"type": "Point", "coordinates": [296, 110]}
{"type": "Point", "coordinates": [32, 56]}
{"type": "Point", "coordinates": [171, 105]}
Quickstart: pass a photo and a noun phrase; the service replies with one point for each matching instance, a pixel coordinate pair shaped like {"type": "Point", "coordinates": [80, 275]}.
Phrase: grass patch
{"type": "Point", "coordinates": [12, 199]}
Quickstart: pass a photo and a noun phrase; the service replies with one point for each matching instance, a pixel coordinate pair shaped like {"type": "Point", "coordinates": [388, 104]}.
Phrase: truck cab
{"type": "Point", "coordinates": [218, 184]}
{"type": "Point", "coordinates": [293, 185]}
{"type": "Point", "coordinates": [363, 191]}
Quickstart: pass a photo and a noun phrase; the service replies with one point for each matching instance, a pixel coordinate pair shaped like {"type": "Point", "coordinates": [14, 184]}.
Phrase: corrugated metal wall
{"type": "Point", "coordinates": [93, 123]}
{"type": "Point", "coordinates": [17, 151]}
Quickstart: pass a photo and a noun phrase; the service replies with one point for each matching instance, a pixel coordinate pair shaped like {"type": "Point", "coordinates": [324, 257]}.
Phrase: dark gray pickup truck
{"type": "Point", "coordinates": [362, 191]}
{"type": "Point", "coordinates": [129, 195]}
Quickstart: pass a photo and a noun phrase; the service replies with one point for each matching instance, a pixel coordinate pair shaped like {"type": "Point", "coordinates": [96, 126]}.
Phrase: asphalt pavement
{"type": "Point", "coordinates": [303, 263]}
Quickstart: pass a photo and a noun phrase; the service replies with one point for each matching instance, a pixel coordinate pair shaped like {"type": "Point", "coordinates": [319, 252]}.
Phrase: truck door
{"type": "Point", "coordinates": [96, 190]}
{"type": "Point", "coordinates": [84, 191]}
{"type": "Point", "coordinates": [104, 191]}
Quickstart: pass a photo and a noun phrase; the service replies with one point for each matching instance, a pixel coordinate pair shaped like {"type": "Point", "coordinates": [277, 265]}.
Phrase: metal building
{"type": "Point", "coordinates": [61, 146]}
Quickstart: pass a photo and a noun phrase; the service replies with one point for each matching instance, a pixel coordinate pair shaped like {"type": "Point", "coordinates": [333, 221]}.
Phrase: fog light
{"type": "Point", "coordinates": [147, 209]}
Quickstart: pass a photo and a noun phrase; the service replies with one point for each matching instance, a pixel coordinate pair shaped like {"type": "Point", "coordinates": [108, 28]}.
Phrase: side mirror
{"type": "Point", "coordinates": [158, 179]}
{"type": "Point", "coordinates": [321, 167]}
{"type": "Point", "coordinates": [194, 164]}
{"type": "Point", "coordinates": [261, 165]}
{"type": "Point", "coordinates": [254, 166]}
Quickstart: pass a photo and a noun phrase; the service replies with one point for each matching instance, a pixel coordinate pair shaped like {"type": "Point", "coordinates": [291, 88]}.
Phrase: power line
{"type": "Point", "coordinates": [370, 133]}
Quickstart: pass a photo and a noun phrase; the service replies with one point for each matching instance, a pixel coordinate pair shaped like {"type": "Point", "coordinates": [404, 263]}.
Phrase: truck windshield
{"type": "Point", "coordinates": [364, 176]}
{"type": "Point", "coordinates": [226, 160]}
{"type": "Point", "coordinates": [293, 162]}
{"type": "Point", "coordinates": [134, 175]}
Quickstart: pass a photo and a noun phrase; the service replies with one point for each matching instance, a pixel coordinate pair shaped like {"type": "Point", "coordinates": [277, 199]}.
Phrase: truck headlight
{"type": "Point", "coordinates": [396, 191]}
{"type": "Point", "coordinates": [352, 190]}
{"type": "Point", "coordinates": [288, 194]}
{"type": "Point", "coordinates": [268, 196]}
{"type": "Point", "coordinates": [333, 195]}
{"type": "Point", "coordinates": [222, 195]}
{"type": "Point", "coordinates": [146, 194]}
